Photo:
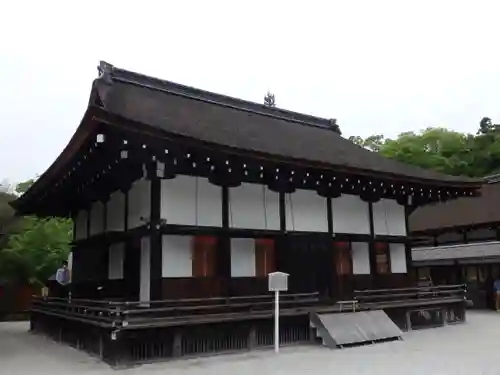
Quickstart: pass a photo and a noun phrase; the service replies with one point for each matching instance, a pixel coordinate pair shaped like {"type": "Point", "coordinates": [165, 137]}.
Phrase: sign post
{"type": "Point", "coordinates": [278, 281]}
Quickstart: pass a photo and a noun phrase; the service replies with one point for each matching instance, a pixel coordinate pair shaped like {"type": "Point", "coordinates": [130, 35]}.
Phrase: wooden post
{"type": "Point", "coordinates": [252, 337]}
{"type": "Point", "coordinates": [155, 235]}
{"type": "Point", "coordinates": [282, 211]}
{"type": "Point", "coordinates": [177, 343]}
{"type": "Point", "coordinates": [224, 246]}
{"type": "Point", "coordinates": [371, 246]}
{"type": "Point", "coordinates": [409, 263]}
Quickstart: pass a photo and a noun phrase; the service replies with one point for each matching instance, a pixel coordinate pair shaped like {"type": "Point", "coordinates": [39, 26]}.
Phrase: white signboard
{"type": "Point", "coordinates": [278, 282]}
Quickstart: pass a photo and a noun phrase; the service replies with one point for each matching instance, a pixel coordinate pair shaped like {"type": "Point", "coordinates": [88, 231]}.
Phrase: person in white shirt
{"type": "Point", "coordinates": [63, 278]}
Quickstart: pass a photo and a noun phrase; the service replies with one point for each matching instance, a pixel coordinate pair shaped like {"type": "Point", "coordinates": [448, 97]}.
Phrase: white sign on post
{"type": "Point", "coordinates": [278, 282]}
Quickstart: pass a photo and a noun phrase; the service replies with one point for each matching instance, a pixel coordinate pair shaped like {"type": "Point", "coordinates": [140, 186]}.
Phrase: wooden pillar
{"type": "Point", "coordinates": [131, 262]}
{"type": "Point", "coordinates": [371, 244]}
{"type": "Point", "coordinates": [156, 262]}
{"type": "Point", "coordinates": [409, 262]}
{"type": "Point", "coordinates": [282, 211]}
{"type": "Point", "coordinates": [88, 220]}
{"type": "Point", "coordinates": [105, 249]}
{"type": "Point", "coordinates": [224, 247]}
{"type": "Point", "coordinates": [329, 215]}
{"type": "Point", "coordinates": [331, 259]}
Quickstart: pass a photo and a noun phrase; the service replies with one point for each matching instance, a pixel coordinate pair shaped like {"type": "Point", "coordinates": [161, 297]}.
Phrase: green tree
{"type": "Point", "coordinates": [372, 143]}
{"type": "Point", "coordinates": [33, 251]}
{"type": "Point", "coordinates": [23, 187]}
{"type": "Point", "coordinates": [439, 149]}
{"type": "Point", "coordinates": [442, 150]}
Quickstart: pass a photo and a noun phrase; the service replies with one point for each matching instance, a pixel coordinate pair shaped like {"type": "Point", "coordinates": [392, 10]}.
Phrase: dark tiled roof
{"type": "Point", "coordinates": [452, 252]}
{"type": "Point", "coordinates": [459, 212]}
{"type": "Point", "coordinates": [243, 125]}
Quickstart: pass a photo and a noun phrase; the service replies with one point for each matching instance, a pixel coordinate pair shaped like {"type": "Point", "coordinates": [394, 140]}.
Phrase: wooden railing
{"type": "Point", "coordinates": [130, 315]}
{"type": "Point", "coordinates": [135, 332]}
{"type": "Point", "coordinates": [406, 295]}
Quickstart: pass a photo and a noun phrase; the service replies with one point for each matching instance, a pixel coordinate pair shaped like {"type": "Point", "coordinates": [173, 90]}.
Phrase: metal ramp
{"type": "Point", "coordinates": [337, 330]}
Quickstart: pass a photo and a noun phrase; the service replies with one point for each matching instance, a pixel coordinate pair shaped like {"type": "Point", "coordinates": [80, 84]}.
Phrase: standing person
{"type": "Point", "coordinates": [496, 289]}
{"type": "Point", "coordinates": [62, 278]}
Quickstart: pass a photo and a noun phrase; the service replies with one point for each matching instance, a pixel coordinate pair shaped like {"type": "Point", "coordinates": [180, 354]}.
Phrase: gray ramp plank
{"type": "Point", "coordinates": [355, 327]}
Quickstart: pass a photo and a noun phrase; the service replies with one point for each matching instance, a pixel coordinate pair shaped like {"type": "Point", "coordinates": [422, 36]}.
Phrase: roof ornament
{"type": "Point", "coordinates": [335, 127]}
{"type": "Point", "coordinates": [105, 71]}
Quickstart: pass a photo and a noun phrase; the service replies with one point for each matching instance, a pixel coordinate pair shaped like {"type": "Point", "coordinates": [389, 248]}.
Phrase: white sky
{"type": "Point", "coordinates": [377, 66]}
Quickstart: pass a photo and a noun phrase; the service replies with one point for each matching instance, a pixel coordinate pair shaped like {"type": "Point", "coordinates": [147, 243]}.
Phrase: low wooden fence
{"type": "Point", "coordinates": [136, 332]}
{"type": "Point", "coordinates": [406, 295]}
{"type": "Point", "coordinates": [418, 307]}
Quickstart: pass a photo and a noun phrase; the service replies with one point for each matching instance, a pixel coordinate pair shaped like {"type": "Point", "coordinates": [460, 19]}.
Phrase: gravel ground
{"type": "Point", "coordinates": [471, 348]}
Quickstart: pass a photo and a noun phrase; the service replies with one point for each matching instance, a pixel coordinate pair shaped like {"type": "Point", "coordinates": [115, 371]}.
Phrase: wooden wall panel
{"type": "Point", "coordinates": [204, 256]}
{"type": "Point", "coordinates": [264, 257]}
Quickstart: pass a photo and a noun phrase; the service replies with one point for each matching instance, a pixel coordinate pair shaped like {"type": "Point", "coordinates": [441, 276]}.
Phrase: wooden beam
{"type": "Point", "coordinates": [329, 214]}
{"type": "Point", "coordinates": [409, 263]}
{"type": "Point", "coordinates": [371, 243]}
{"type": "Point", "coordinates": [155, 236]}
{"type": "Point", "coordinates": [282, 211]}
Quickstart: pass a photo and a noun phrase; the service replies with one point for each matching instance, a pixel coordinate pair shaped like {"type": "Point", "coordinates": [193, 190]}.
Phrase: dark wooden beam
{"type": "Point", "coordinates": [409, 263]}
{"type": "Point", "coordinates": [329, 214]}
{"type": "Point", "coordinates": [282, 211]}
{"type": "Point", "coordinates": [155, 236]}
{"type": "Point", "coordinates": [371, 243]}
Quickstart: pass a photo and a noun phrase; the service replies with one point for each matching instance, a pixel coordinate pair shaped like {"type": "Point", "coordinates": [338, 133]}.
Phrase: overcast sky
{"type": "Point", "coordinates": [377, 66]}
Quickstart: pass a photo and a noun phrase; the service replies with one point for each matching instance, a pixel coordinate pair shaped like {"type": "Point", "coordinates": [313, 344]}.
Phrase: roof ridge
{"type": "Point", "coordinates": [109, 73]}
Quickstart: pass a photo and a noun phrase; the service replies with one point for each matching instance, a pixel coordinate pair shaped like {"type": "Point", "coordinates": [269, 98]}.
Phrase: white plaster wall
{"type": "Point", "coordinates": [115, 215]}
{"type": "Point", "coordinates": [145, 270]}
{"type": "Point", "coordinates": [389, 218]}
{"type": "Point", "coordinates": [177, 256]}
{"type": "Point", "coordinates": [242, 257]}
{"type": "Point", "coordinates": [398, 258]}
{"type": "Point", "coordinates": [116, 260]}
{"type": "Point", "coordinates": [96, 218]}
{"type": "Point", "coordinates": [306, 211]}
{"type": "Point", "coordinates": [81, 225]}
{"type": "Point", "coordinates": [208, 203]}
{"type": "Point", "coordinates": [360, 258]}
{"type": "Point", "coordinates": [187, 200]}
{"type": "Point", "coordinates": [350, 215]}
{"type": "Point", "coordinates": [139, 203]}
{"type": "Point", "coordinates": [253, 206]}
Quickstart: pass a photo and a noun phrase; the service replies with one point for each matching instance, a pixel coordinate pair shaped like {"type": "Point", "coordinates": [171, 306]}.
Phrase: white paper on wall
{"type": "Point", "coordinates": [389, 218]}
{"type": "Point", "coordinates": [253, 206]}
{"type": "Point", "coordinates": [360, 258]}
{"type": "Point", "coordinates": [177, 256]}
{"type": "Point", "coordinates": [209, 203]}
{"type": "Point", "coordinates": [188, 200]}
{"type": "Point", "coordinates": [139, 203]}
{"type": "Point", "coordinates": [115, 214]}
{"type": "Point", "coordinates": [96, 218]}
{"type": "Point", "coordinates": [81, 225]}
{"type": "Point", "coordinates": [306, 211]}
{"type": "Point", "coordinates": [242, 257]}
{"type": "Point", "coordinates": [398, 257]}
{"type": "Point", "coordinates": [350, 214]}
